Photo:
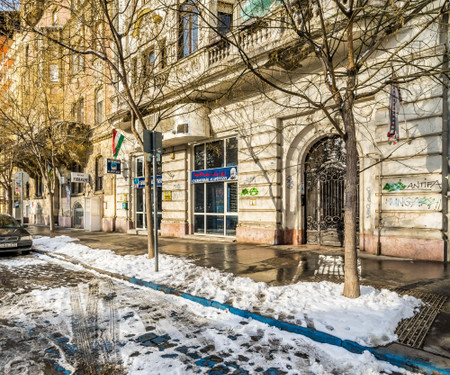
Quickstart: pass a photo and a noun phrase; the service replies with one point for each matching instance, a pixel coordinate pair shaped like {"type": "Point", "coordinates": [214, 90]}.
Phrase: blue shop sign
{"type": "Point", "coordinates": [113, 166]}
{"type": "Point", "coordinates": [139, 183]}
{"type": "Point", "coordinates": [214, 175]}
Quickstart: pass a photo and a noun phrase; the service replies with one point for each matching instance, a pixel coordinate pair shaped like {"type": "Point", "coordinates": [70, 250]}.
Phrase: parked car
{"type": "Point", "coordinates": [13, 236]}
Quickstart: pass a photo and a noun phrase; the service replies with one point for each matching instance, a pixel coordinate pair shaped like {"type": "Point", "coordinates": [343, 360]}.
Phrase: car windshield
{"type": "Point", "coordinates": [8, 222]}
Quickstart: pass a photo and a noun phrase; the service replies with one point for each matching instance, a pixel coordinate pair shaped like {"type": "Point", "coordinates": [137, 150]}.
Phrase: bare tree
{"type": "Point", "coordinates": [124, 45]}
{"type": "Point", "coordinates": [326, 57]}
{"type": "Point", "coordinates": [32, 117]}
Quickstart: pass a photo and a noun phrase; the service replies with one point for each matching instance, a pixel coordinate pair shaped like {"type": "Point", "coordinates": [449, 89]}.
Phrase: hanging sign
{"type": "Point", "coordinates": [214, 175]}
{"type": "Point", "coordinates": [113, 166]}
{"type": "Point", "coordinates": [139, 183]}
{"type": "Point", "coordinates": [79, 177]}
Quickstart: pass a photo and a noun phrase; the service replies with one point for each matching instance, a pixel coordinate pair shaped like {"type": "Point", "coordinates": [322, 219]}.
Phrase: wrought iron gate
{"type": "Point", "coordinates": [325, 169]}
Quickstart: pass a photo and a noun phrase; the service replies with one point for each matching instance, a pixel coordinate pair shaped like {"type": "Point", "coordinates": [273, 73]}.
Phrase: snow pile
{"type": "Point", "coordinates": [369, 320]}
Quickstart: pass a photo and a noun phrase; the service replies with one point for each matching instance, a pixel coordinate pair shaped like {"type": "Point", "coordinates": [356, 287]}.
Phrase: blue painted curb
{"type": "Point", "coordinates": [322, 337]}
{"type": "Point", "coordinates": [382, 354]}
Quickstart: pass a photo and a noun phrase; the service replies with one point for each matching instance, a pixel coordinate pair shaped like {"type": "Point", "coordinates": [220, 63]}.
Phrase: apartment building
{"type": "Point", "coordinates": [246, 155]}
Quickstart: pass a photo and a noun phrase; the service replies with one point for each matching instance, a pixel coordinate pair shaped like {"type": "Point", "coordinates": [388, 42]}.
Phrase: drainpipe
{"type": "Point", "coordinates": [380, 182]}
{"type": "Point", "coordinates": [443, 40]}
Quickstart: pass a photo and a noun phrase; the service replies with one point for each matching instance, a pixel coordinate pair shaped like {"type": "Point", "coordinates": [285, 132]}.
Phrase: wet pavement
{"type": "Point", "coordinates": [288, 264]}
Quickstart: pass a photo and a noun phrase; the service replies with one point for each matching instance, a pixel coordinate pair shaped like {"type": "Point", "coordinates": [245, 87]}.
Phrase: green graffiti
{"type": "Point", "coordinates": [244, 192]}
{"type": "Point", "coordinates": [254, 191]}
{"type": "Point", "coordinates": [396, 186]}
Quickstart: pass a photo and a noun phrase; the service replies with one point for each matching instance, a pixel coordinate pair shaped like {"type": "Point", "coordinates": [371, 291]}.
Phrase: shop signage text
{"type": "Point", "coordinates": [139, 183]}
{"type": "Point", "coordinates": [113, 166]}
{"type": "Point", "coordinates": [213, 175]}
{"type": "Point", "coordinates": [79, 177]}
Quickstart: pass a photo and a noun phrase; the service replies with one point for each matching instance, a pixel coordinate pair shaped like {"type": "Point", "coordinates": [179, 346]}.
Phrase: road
{"type": "Point", "coordinates": [58, 318]}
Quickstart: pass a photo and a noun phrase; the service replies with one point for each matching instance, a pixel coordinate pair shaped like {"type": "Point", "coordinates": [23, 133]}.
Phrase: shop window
{"type": "Point", "coordinates": [139, 194]}
{"type": "Point", "coordinates": [214, 155]}
{"type": "Point", "coordinates": [188, 37]}
{"type": "Point", "coordinates": [99, 169]}
{"type": "Point", "coordinates": [232, 151]}
{"type": "Point", "coordinates": [216, 202]}
{"type": "Point", "coordinates": [199, 157]}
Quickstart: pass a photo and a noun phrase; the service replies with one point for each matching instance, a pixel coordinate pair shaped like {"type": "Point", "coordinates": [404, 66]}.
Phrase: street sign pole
{"type": "Point", "coordinates": [155, 210]}
{"type": "Point", "coordinates": [153, 144]}
{"type": "Point", "coordinates": [21, 198]}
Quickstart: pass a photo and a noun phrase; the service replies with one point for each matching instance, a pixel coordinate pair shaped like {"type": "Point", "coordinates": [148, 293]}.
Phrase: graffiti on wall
{"type": "Point", "coordinates": [251, 192]}
{"type": "Point", "coordinates": [412, 185]}
{"type": "Point", "coordinates": [422, 203]}
{"type": "Point", "coordinates": [369, 201]}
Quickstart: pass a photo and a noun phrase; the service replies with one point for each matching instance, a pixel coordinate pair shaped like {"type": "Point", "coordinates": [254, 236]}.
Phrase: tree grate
{"type": "Point", "coordinates": [412, 331]}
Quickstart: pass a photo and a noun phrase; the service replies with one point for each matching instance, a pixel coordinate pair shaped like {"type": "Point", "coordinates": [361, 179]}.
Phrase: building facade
{"type": "Point", "coordinates": [245, 160]}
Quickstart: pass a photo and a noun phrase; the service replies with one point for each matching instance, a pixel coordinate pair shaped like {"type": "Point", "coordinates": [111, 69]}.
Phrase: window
{"type": "Point", "coordinates": [216, 202]}
{"type": "Point", "coordinates": [99, 107]}
{"type": "Point", "coordinates": [149, 63]}
{"type": "Point", "coordinates": [77, 63]}
{"type": "Point", "coordinates": [78, 111]}
{"type": "Point", "coordinates": [55, 17]}
{"type": "Point", "coordinates": [99, 170]}
{"type": "Point", "coordinates": [141, 213]}
{"type": "Point", "coordinates": [39, 187]}
{"type": "Point", "coordinates": [54, 73]}
{"type": "Point", "coordinates": [224, 18]}
{"type": "Point", "coordinates": [188, 38]}
{"type": "Point", "coordinates": [134, 70]}
{"type": "Point", "coordinates": [163, 54]}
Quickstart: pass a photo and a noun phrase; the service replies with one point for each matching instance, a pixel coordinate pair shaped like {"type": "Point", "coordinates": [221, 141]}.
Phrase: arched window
{"type": "Point", "coordinates": [99, 99]}
{"type": "Point", "coordinates": [99, 170]}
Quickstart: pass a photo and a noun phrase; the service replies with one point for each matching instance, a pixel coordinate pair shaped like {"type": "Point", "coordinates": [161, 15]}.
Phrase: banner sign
{"type": "Point", "coordinates": [139, 183]}
{"type": "Point", "coordinates": [79, 177]}
{"type": "Point", "coordinates": [113, 166]}
{"type": "Point", "coordinates": [214, 175]}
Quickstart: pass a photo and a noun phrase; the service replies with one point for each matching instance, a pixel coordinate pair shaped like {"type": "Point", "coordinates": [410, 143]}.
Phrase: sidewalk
{"type": "Point", "coordinates": [287, 264]}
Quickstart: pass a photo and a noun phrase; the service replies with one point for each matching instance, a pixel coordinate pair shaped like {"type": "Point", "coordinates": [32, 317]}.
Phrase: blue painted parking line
{"type": "Point", "coordinates": [322, 337]}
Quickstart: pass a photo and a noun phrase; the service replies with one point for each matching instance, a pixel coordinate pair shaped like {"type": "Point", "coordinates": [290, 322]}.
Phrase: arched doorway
{"type": "Point", "coordinates": [324, 188]}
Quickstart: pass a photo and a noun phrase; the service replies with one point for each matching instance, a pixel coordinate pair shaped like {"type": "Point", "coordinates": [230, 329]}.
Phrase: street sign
{"type": "Point", "coordinates": [113, 166]}
{"type": "Point", "coordinates": [79, 177]}
{"type": "Point", "coordinates": [152, 142]}
{"type": "Point", "coordinates": [21, 176]}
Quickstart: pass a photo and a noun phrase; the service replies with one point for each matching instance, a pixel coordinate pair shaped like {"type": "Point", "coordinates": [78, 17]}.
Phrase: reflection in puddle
{"type": "Point", "coordinates": [332, 266]}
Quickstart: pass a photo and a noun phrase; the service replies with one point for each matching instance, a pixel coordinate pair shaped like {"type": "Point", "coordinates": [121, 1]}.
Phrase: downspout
{"type": "Point", "coordinates": [380, 205]}
{"type": "Point", "coordinates": [445, 133]}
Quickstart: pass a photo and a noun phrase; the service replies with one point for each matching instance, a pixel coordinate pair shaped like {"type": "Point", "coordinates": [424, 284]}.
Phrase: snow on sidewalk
{"type": "Point", "coordinates": [370, 320]}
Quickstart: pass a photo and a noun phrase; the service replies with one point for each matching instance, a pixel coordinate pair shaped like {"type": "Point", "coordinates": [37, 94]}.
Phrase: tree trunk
{"type": "Point", "coordinates": [10, 199]}
{"type": "Point", "coordinates": [351, 280]}
{"type": "Point", "coordinates": [51, 213]}
{"type": "Point", "coordinates": [148, 208]}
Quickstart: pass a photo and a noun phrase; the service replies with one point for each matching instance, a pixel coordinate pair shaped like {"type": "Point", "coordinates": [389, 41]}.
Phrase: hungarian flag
{"type": "Point", "coordinates": [117, 140]}
{"type": "Point", "coordinates": [394, 107]}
